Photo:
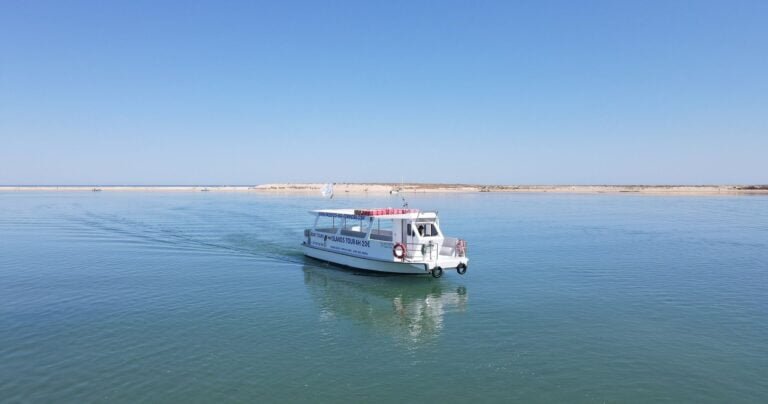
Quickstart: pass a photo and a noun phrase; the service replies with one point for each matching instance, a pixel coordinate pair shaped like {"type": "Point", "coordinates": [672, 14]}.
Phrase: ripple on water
{"type": "Point", "coordinates": [123, 296]}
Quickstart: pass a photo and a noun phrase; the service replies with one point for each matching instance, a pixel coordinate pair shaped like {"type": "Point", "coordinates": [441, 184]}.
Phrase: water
{"type": "Point", "coordinates": [205, 297]}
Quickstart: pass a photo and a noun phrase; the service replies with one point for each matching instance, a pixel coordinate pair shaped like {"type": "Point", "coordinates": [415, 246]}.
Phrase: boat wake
{"type": "Point", "coordinates": [193, 237]}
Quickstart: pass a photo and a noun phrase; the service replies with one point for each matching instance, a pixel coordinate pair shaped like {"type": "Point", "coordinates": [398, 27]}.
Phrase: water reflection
{"type": "Point", "coordinates": [408, 307]}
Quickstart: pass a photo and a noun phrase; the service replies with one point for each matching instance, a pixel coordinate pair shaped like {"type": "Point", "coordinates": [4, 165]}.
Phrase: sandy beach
{"type": "Point", "coordinates": [383, 188]}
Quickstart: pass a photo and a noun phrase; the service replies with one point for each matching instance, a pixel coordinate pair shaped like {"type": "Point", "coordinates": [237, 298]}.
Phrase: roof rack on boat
{"type": "Point", "coordinates": [384, 211]}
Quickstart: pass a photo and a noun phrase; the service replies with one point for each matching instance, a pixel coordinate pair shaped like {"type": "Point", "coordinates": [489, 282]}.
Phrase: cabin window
{"type": "Point", "coordinates": [382, 230]}
{"type": "Point", "coordinates": [353, 227]}
{"type": "Point", "coordinates": [327, 224]}
{"type": "Point", "coordinates": [426, 230]}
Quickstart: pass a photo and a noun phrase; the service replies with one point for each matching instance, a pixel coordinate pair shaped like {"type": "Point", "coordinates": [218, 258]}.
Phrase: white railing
{"type": "Point", "coordinates": [423, 251]}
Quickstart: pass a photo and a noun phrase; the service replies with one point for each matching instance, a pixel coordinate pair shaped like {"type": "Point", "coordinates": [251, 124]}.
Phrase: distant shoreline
{"type": "Point", "coordinates": [385, 188]}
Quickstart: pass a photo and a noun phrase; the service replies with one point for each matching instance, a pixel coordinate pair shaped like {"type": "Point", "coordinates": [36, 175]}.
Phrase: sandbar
{"type": "Point", "coordinates": [391, 188]}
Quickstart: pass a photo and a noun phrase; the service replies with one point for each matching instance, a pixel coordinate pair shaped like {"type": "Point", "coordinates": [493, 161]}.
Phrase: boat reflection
{"type": "Point", "coordinates": [408, 307]}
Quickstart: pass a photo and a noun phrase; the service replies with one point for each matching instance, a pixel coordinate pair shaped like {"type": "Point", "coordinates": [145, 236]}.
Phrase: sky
{"type": "Point", "coordinates": [481, 92]}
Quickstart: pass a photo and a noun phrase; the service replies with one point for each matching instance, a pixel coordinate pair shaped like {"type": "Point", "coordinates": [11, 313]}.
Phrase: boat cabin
{"type": "Point", "coordinates": [418, 231]}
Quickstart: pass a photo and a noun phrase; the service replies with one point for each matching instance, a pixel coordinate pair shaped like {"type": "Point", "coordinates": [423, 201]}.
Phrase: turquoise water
{"type": "Point", "coordinates": [199, 297]}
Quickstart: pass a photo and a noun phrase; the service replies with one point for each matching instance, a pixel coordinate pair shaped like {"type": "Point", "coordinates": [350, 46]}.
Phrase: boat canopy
{"type": "Point", "coordinates": [378, 213]}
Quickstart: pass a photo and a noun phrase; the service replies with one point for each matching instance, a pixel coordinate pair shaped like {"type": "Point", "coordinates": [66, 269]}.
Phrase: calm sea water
{"type": "Point", "coordinates": [196, 297]}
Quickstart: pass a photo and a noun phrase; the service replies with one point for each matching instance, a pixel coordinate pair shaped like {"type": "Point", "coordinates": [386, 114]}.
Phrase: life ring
{"type": "Point", "coordinates": [399, 251]}
{"type": "Point", "coordinates": [461, 269]}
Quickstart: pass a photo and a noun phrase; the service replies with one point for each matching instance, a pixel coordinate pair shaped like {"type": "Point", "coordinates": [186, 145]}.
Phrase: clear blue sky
{"type": "Point", "coordinates": [508, 92]}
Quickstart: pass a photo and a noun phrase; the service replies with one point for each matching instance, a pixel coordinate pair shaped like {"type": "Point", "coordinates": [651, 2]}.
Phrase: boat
{"type": "Point", "coordinates": [327, 191]}
{"type": "Point", "coordinates": [392, 240]}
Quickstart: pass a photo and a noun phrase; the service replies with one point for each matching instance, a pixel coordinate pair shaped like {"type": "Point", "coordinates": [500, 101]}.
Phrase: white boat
{"type": "Point", "coordinates": [402, 241]}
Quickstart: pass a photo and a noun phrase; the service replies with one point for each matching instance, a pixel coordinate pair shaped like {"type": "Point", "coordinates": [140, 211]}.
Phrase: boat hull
{"type": "Point", "coordinates": [366, 263]}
